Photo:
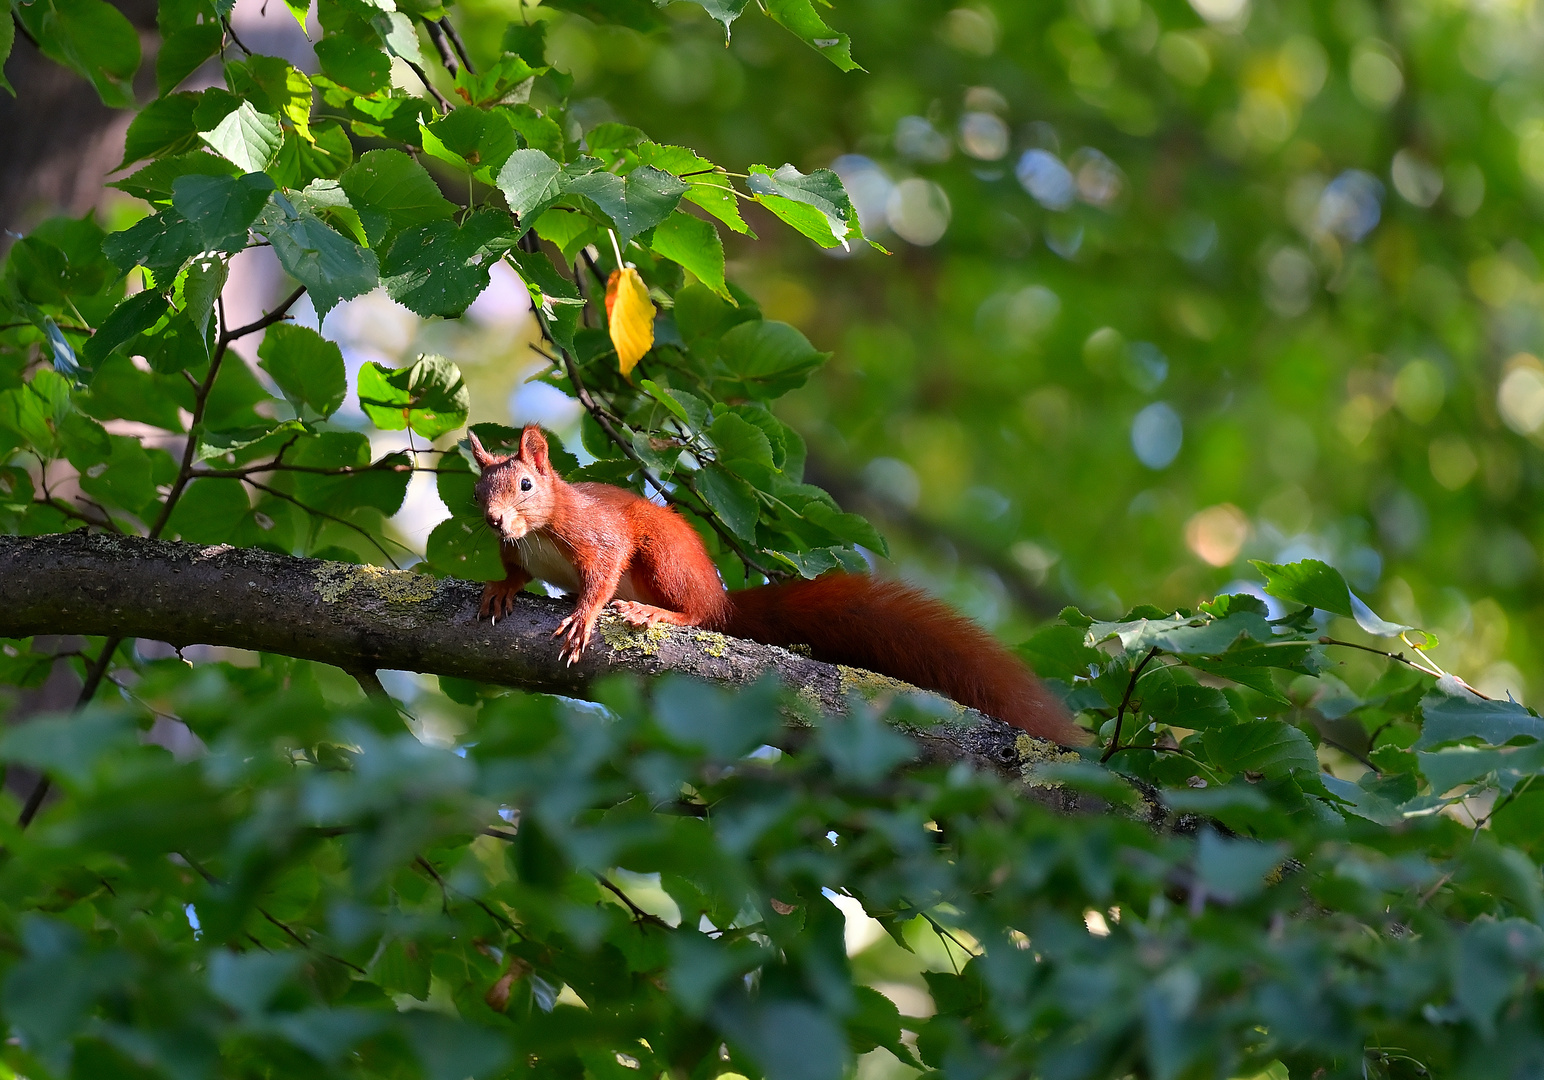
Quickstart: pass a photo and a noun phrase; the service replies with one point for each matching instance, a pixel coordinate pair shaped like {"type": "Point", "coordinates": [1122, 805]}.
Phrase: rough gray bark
{"type": "Point", "coordinates": [366, 618]}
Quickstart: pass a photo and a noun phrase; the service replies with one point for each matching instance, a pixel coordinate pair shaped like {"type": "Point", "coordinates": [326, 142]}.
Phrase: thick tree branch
{"type": "Point", "coordinates": [363, 618]}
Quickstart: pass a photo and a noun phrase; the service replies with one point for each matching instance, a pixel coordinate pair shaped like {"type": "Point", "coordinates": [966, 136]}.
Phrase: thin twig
{"type": "Point", "coordinates": [455, 39]}
{"type": "Point", "coordinates": [442, 46]}
{"type": "Point", "coordinates": [1120, 714]}
{"type": "Point", "coordinates": [435, 874]}
{"type": "Point", "coordinates": [88, 691]}
{"type": "Point", "coordinates": [639, 915]}
{"type": "Point", "coordinates": [1428, 668]}
{"type": "Point", "coordinates": [289, 931]}
{"type": "Point", "coordinates": [201, 399]}
{"type": "Point", "coordinates": [287, 497]}
{"type": "Point", "coordinates": [423, 77]}
{"type": "Point", "coordinates": [231, 30]}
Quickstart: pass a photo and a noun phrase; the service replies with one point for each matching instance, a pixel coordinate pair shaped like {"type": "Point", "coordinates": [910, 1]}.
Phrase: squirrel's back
{"type": "Point", "coordinates": [899, 631]}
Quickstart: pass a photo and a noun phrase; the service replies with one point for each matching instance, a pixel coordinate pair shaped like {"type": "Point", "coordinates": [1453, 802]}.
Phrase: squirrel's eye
{"type": "Point", "coordinates": [525, 484]}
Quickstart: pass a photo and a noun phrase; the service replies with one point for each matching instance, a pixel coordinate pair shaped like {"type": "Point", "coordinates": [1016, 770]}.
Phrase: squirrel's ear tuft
{"type": "Point", "coordinates": [533, 448]}
{"type": "Point", "coordinates": [484, 459]}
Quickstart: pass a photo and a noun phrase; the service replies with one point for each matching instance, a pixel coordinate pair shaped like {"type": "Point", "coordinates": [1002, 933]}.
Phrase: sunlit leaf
{"type": "Point", "coordinates": [629, 317]}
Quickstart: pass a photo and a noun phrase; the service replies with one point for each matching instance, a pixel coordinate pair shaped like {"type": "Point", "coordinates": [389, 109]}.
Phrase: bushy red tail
{"type": "Point", "coordinates": [898, 631]}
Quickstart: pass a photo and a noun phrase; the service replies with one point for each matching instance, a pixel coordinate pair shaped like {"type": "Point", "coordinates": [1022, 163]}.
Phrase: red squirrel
{"type": "Point", "coordinates": [612, 547]}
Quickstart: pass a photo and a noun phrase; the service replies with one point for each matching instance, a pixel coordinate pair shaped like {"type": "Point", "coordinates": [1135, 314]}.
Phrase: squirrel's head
{"type": "Point", "coordinates": [515, 491]}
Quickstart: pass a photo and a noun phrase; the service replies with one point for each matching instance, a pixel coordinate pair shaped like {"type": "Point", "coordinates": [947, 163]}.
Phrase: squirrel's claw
{"type": "Point", "coordinates": [498, 600]}
{"type": "Point", "coordinates": [575, 633]}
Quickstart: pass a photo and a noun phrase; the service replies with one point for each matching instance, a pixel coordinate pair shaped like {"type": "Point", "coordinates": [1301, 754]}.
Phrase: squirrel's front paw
{"type": "Point", "coordinates": [575, 632]}
{"type": "Point", "coordinates": [498, 599]}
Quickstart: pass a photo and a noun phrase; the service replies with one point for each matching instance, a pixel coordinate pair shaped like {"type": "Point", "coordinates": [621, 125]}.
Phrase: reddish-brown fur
{"type": "Point", "coordinates": [607, 540]}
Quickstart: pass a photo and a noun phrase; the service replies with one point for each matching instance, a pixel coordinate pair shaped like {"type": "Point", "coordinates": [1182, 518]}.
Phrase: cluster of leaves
{"type": "Point", "coordinates": [649, 885]}
{"type": "Point", "coordinates": [655, 884]}
{"type": "Point", "coordinates": [268, 159]}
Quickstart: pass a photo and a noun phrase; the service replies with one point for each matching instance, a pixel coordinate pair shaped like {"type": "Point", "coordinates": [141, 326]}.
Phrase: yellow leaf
{"type": "Point", "coordinates": [630, 313]}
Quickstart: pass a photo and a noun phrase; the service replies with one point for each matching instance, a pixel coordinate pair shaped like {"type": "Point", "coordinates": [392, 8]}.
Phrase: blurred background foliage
{"type": "Point", "coordinates": [1173, 286]}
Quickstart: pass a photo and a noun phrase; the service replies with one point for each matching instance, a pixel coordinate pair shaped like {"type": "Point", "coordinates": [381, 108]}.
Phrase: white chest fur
{"type": "Point", "coordinates": [545, 561]}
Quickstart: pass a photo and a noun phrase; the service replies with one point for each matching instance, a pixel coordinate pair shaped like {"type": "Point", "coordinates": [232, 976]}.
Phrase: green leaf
{"type": "Point", "coordinates": [328, 201]}
{"type": "Point", "coordinates": [210, 511]}
{"type": "Point", "coordinates": [530, 181]}
{"type": "Point", "coordinates": [360, 65]}
{"type": "Point", "coordinates": [817, 205]}
{"type": "Point", "coordinates": [557, 297]}
{"type": "Point", "coordinates": [429, 396]}
{"type": "Point", "coordinates": [851, 528]}
{"type": "Point", "coordinates": [161, 243]}
{"type": "Point", "coordinates": [453, 1050]}
{"type": "Point", "coordinates": [330, 266]}
{"type": "Point", "coordinates": [221, 208]}
{"type": "Point", "coordinates": [199, 286]}
{"type": "Point", "coordinates": [569, 230]}
{"type": "Point", "coordinates": [1448, 769]}
{"type": "Point", "coordinates": [731, 498]}
{"type": "Point", "coordinates": [708, 187]}
{"type": "Point", "coordinates": [7, 39]}
{"type": "Point", "coordinates": [183, 51]}
{"type": "Point", "coordinates": [154, 182]}
{"type": "Point", "coordinates": [90, 37]}
{"type": "Point", "coordinates": [527, 41]}
{"type": "Point", "coordinates": [129, 319]}
{"type": "Point", "coordinates": [507, 81]}
{"type": "Point", "coordinates": [695, 714]}
{"type": "Point", "coordinates": [1310, 582]}
{"type": "Point", "coordinates": [275, 87]}
{"type": "Point", "coordinates": [634, 203]}
{"type": "Point", "coordinates": [1363, 803]}
{"type": "Point", "coordinates": [125, 479]}
{"type": "Point", "coordinates": [1234, 870]}
{"type": "Point", "coordinates": [400, 36]}
{"type": "Point", "coordinates": [742, 449]}
{"type": "Point", "coordinates": [308, 368]}
{"type": "Point", "coordinates": [798, 17]}
{"type": "Point", "coordinates": [380, 488]}
{"type": "Point", "coordinates": [636, 14]}
{"type": "Point", "coordinates": [1058, 651]}
{"type": "Point", "coordinates": [163, 127]}
{"type": "Point", "coordinates": [246, 138]}
{"type": "Point", "coordinates": [539, 131]}
{"type": "Point", "coordinates": [1449, 718]}
{"type": "Point", "coordinates": [767, 359]}
{"type": "Point", "coordinates": [477, 140]}
{"type": "Point", "coordinates": [788, 1040]}
{"type": "Point", "coordinates": [441, 267]}
{"type": "Point", "coordinates": [391, 192]}
{"type": "Point", "coordinates": [724, 11]}
{"type": "Point", "coordinates": [34, 411]}
{"type": "Point", "coordinates": [1270, 747]}
{"type": "Point", "coordinates": [325, 156]}
{"type": "Point", "coordinates": [463, 548]}
{"type": "Point", "coordinates": [694, 244]}
{"type": "Point", "coordinates": [68, 746]}
{"type": "Point", "coordinates": [876, 1022]}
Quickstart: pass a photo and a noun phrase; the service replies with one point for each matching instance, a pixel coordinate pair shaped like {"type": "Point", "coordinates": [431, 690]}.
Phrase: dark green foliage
{"type": "Point", "coordinates": [1297, 863]}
